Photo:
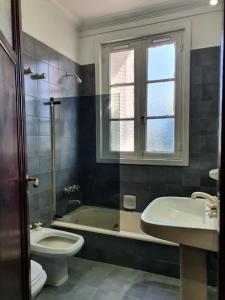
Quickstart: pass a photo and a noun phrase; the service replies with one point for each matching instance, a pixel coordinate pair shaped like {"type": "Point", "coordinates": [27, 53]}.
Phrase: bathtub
{"type": "Point", "coordinates": [105, 221]}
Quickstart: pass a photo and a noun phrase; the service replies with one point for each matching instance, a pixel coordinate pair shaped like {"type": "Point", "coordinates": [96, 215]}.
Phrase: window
{"type": "Point", "coordinates": [142, 112]}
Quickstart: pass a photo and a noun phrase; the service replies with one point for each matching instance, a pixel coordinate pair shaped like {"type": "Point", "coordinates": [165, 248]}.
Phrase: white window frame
{"type": "Point", "coordinates": [181, 155]}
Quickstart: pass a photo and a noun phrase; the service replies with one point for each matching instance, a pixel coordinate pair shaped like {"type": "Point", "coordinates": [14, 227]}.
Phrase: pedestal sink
{"type": "Point", "coordinates": [186, 222]}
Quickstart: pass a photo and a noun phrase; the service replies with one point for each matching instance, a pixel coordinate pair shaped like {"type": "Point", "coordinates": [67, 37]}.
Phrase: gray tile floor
{"type": "Point", "coordinates": [90, 280]}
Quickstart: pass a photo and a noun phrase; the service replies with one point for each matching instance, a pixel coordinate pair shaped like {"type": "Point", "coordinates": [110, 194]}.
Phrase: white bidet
{"type": "Point", "coordinates": [51, 248]}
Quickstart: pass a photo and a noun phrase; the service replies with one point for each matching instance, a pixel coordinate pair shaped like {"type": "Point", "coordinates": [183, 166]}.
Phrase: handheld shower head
{"type": "Point", "coordinates": [79, 80]}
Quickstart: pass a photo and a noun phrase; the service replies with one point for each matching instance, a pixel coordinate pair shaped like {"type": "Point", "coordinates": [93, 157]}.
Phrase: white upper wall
{"type": "Point", "coordinates": [206, 29]}
{"type": "Point", "coordinates": [50, 23]}
{"type": "Point", "coordinates": [47, 22]}
{"type": "Point", "coordinates": [101, 9]}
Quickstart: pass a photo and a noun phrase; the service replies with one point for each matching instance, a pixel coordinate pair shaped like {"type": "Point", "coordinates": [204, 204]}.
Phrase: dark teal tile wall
{"type": "Point", "coordinates": [105, 184]}
{"type": "Point", "coordinates": [149, 182]}
{"type": "Point", "coordinates": [40, 58]}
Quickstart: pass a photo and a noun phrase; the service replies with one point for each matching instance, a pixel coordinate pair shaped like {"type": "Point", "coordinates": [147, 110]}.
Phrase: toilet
{"type": "Point", "coordinates": [51, 248]}
{"type": "Point", "coordinates": [38, 278]}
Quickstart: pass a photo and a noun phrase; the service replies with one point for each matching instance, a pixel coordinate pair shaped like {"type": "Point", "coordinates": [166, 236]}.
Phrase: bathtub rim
{"type": "Point", "coordinates": [122, 234]}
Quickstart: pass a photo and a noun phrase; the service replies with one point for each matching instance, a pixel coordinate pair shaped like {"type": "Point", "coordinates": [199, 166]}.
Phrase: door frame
{"type": "Point", "coordinates": [21, 133]}
{"type": "Point", "coordinates": [221, 265]}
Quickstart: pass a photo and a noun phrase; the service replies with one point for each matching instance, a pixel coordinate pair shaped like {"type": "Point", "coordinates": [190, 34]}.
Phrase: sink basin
{"type": "Point", "coordinates": [181, 220]}
{"type": "Point", "coordinates": [186, 222]}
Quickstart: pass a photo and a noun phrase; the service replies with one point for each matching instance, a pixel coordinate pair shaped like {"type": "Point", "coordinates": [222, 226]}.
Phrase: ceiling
{"type": "Point", "coordinates": [90, 11]}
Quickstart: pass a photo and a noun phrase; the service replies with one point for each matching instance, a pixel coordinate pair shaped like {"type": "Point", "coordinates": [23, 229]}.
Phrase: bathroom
{"type": "Point", "coordinates": [122, 113]}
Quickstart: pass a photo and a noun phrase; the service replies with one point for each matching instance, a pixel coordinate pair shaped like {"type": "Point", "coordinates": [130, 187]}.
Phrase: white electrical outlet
{"type": "Point", "coordinates": [129, 202]}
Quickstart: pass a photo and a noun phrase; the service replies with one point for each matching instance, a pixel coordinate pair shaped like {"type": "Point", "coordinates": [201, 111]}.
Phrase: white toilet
{"type": "Point", "coordinates": [38, 278]}
{"type": "Point", "coordinates": [51, 248]}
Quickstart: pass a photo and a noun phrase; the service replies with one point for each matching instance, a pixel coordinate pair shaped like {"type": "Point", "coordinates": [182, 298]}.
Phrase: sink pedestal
{"type": "Point", "coordinates": [193, 273]}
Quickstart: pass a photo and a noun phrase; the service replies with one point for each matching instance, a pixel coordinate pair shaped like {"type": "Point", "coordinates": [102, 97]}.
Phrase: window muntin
{"type": "Point", "coordinates": [160, 127]}
{"type": "Point", "coordinates": [121, 90]}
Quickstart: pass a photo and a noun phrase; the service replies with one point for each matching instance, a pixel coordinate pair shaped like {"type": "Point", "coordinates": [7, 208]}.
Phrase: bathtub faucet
{"type": "Point", "coordinates": [75, 202]}
{"type": "Point", "coordinates": [71, 189]}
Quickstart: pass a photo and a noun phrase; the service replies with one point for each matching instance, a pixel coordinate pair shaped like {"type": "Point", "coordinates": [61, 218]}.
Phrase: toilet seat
{"type": "Point", "coordinates": [38, 278]}
{"type": "Point", "coordinates": [47, 241]}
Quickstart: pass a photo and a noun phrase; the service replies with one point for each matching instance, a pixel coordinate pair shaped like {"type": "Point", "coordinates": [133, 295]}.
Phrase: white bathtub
{"type": "Point", "coordinates": [102, 220]}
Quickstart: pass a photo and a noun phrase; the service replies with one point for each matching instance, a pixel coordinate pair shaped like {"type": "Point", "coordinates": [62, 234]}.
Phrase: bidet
{"type": "Point", "coordinates": [51, 248]}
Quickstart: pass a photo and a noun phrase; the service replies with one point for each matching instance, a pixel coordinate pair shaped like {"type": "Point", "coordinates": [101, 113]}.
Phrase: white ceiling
{"type": "Point", "coordinates": [84, 11]}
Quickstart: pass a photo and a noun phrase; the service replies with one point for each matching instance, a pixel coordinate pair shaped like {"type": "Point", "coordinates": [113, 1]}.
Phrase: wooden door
{"type": "Point", "coordinates": [14, 258]}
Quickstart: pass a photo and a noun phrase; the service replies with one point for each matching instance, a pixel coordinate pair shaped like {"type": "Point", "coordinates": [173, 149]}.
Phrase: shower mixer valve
{"type": "Point", "coordinates": [71, 189]}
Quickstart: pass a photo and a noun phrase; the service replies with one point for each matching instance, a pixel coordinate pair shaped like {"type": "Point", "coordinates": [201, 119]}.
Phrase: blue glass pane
{"type": "Point", "coordinates": [161, 62]}
{"type": "Point", "coordinates": [160, 135]}
{"type": "Point", "coordinates": [122, 136]}
{"type": "Point", "coordinates": [6, 20]}
{"type": "Point", "coordinates": [160, 101]}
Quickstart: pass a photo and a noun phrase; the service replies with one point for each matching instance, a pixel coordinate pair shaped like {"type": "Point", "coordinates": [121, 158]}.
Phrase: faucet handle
{"type": "Point", "coordinates": [212, 213]}
{"type": "Point", "coordinates": [38, 226]}
{"type": "Point", "coordinates": [34, 180]}
{"type": "Point", "coordinates": [212, 205]}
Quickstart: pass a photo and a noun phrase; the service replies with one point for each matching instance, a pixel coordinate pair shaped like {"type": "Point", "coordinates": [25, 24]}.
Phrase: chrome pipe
{"type": "Point", "coordinates": [53, 156]}
{"type": "Point", "coordinates": [53, 177]}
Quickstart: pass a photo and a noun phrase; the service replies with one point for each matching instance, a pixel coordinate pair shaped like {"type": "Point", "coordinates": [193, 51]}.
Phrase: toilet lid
{"type": "Point", "coordinates": [36, 272]}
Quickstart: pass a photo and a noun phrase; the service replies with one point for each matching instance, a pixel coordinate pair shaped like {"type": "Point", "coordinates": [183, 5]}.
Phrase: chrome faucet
{"type": "Point", "coordinates": [71, 189]}
{"type": "Point", "coordinates": [212, 204]}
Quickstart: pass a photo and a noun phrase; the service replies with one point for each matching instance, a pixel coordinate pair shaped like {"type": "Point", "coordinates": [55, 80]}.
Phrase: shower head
{"type": "Point", "coordinates": [79, 80]}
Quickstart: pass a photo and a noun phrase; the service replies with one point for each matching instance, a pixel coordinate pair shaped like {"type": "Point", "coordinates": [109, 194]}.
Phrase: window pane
{"type": "Point", "coordinates": [160, 135]}
{"type": "Point", "coordinates": [161, 62]}
{"type": "Point", "coordinates": [160, 101]}
{"type": "Point", "coordinates": [6, 19]}
{"type": "Point", "coordinates": [122, 102]}
{"type": "Point", "coordinates": [122, 136]}
{"type": "Point", "coordinates": [121, 66]}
